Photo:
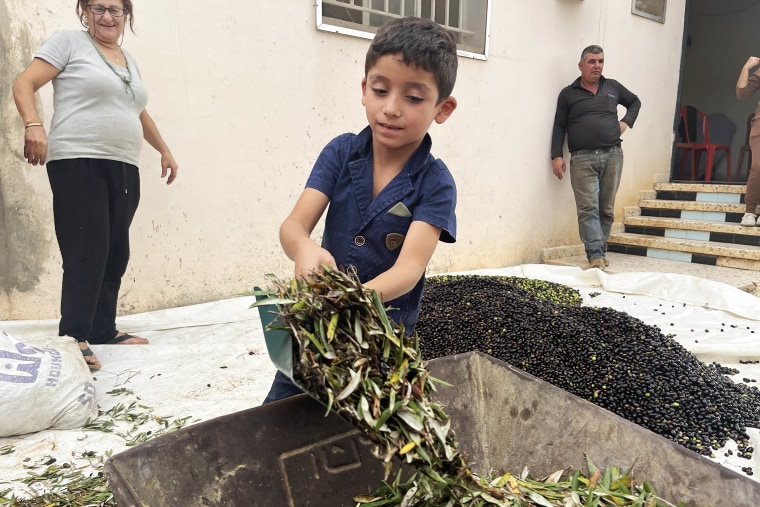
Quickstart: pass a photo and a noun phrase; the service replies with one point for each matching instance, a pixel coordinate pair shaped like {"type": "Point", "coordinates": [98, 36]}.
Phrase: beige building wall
{"type": "Point", "coordinates": [247, 94]}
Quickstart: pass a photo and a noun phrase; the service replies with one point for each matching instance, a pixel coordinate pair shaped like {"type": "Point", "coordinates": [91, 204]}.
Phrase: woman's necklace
{"type": "Point", "coordinates": [126, 79]}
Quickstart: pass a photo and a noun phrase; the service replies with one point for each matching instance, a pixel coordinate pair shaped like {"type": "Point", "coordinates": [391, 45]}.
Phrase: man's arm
{"type": "Point", "coordinates": [559, 128]}
{"type": "Point", "coordinates": [558, 137]}
{"type": "Point", "coordinates": [632, 104]}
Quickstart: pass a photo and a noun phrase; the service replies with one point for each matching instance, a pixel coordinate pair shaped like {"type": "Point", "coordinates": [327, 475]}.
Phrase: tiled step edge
{"type": "Point", "coordinates": [691, 225]}
{"type": "Point", "coordinates": [719, 207]}
{"type": "Point", "coordinates": [703, 252]}
{"type": "Point", "coordinates": [700, 188]}
{"type": "Point", "coordinates": [688, 245]}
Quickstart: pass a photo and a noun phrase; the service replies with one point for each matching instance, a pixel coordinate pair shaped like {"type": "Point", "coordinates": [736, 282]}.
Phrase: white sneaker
{"type": "Point", "coordinates": [749, 220]}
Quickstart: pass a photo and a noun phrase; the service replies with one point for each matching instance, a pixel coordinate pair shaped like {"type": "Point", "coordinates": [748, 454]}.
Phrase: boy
{"type": "Point", "coordinates": [390, 201]}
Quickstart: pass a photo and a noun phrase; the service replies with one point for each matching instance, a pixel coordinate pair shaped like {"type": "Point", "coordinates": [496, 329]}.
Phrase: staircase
{"type": "Point", "coordinates": [688, 228]}
{"type": "Point", "coordinates": [689, 222]}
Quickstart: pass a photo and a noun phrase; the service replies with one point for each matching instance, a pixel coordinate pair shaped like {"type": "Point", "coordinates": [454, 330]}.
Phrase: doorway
{"type": "Point", "coordinates": [718, 39]}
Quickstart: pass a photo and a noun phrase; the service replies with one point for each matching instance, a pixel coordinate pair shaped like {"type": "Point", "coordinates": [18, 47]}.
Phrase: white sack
{"type": "Point", "coordinates": [43, 385]}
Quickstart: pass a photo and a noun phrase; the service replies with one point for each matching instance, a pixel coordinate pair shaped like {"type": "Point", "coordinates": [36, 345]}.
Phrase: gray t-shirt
{"type": "Point", "coordinates": [96, 114]}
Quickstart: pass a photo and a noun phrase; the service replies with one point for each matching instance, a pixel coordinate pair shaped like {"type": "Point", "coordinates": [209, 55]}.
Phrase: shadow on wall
{"type": "Point", "coordinates": [24, 220]}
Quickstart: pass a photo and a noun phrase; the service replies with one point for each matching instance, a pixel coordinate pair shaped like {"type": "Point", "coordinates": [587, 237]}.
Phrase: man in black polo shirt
{"type": "Point", "coordinates": [587, 112]}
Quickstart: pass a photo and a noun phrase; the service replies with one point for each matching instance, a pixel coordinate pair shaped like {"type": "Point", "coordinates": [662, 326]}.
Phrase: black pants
{"type": "Point", "coordinates": [94, 202]}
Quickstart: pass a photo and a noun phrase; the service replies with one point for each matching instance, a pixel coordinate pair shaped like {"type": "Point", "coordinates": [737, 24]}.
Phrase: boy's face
{"type": "Point", "coordinates": [400, 102]}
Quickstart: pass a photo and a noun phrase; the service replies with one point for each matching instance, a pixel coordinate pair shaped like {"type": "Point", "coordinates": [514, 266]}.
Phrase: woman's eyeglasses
{"type": "Point", "coordinates": [100, 9]}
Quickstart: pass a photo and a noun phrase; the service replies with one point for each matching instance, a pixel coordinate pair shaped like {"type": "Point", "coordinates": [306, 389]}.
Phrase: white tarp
{"type": "Point", "coordinates": [209, 360]}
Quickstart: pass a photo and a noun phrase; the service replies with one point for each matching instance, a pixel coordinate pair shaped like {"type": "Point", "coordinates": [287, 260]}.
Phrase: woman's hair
{"type": "Point", "coordinates": [128, 13]}
{"type": "Point", "coordinates": [423, 44]}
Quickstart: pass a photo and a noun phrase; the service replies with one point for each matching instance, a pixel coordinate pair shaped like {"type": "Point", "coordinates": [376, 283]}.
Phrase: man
{"type": "Point", "coordinates": [587, 112]}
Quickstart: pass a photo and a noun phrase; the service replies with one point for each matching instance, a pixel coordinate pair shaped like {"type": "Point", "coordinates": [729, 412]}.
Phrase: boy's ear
{"type": "Point", "coordinates": [445, 109]}
{"type": "Point", "coordinates": [364, 89]}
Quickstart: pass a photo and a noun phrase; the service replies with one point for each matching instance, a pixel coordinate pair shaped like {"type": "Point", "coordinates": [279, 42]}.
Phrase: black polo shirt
{"type": "Point", "coordinates": [591, 121]}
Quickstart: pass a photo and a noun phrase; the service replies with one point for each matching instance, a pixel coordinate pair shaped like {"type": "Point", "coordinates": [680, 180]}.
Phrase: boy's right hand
{"type": "Point", "coordinates": [311, 258]}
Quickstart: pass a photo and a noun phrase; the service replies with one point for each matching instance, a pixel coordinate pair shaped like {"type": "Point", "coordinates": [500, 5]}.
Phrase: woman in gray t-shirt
{"type": "Point", "coordinates": [92, 153]}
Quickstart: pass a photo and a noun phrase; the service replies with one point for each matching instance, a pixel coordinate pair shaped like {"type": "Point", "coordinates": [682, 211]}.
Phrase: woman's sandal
{"type": "Point", "coordinates": [123, 337]}
{"type": "Point", "coordinates": [89, 357]}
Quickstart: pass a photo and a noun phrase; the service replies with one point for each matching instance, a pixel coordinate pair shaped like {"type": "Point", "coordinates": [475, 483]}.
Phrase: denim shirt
{"type": "Point", "coordinates": [365, 235]}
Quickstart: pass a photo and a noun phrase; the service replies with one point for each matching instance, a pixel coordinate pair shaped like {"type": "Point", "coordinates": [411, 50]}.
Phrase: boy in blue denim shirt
{"type": "Point", "coordinates": [390, 201]}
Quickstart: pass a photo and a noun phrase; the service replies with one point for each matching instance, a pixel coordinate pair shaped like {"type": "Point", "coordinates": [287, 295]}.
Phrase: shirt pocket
{"type": "Point", "coordinates": [612, 103]}
{"type": "Point", "coordinates": [394, 223]}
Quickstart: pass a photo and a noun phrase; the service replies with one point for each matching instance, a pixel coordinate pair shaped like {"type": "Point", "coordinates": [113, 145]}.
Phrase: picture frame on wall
{"type": "Point", "coordinates": [650, 9]}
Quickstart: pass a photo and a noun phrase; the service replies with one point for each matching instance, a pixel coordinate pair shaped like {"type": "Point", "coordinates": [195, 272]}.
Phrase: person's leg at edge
{"type": "Point", "coordinates": [79, 211]}
{"type": "Point", "coordinates": [584, 178]}
{"type": "Point", "coordinates": [282, 387]}
{"type": "Point", "coordinates": [752, 195]}
{"type": "Point", "coordinates": [123, 186]}
{"type": "Point", "coordinates": [609, 183]}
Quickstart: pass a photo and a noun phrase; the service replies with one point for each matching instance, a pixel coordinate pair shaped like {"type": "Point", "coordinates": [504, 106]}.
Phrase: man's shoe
{"type": "Point", "coordinates": [749, 220]}
{"type": "Point", "coordinates": [598, 263]}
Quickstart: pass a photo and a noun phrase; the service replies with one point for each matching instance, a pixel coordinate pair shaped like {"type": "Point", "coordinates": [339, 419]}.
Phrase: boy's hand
{"type": "Point", "coordinates": [312, 258]}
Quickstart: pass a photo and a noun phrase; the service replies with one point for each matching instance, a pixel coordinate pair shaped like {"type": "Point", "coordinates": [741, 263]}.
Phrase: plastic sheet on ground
{"type": "Point", "coordinates": [209, 360]}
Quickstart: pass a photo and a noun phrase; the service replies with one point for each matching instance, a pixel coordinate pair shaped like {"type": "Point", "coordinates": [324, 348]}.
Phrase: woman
{"type": "Point", "coordinates": [748, 84]}
{"type": "Point", "coordinates": [92, 152]}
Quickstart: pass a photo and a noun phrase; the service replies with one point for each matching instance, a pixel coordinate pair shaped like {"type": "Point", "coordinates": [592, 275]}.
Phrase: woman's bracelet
{"type": "Point", "coordinates": [33, 125]}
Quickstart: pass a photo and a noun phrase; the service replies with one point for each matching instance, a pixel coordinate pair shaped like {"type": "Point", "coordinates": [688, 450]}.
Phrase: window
{"type": "Point", "coordinates": [467, 20]}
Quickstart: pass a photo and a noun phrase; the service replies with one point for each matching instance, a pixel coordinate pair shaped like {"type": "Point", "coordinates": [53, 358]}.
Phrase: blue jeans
{"type": "Point", "coordinates": [282, 387]}
{"type": "Point", "coordinates": [595, 178]}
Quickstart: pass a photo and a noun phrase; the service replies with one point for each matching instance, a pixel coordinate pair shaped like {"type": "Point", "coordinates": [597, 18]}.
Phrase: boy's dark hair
{"type": "Point", "coordinates": [422, 43]}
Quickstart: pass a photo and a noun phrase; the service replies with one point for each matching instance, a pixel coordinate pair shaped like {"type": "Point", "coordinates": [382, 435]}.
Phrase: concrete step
{"type": "Point", "coordinates": [750, 235]}
{"type": "Point", "coordinates": [687, 250]}
{"type": "Point", "coordinates": [715, 207]}
{"type": "Point", "coordinates": [700, 188]}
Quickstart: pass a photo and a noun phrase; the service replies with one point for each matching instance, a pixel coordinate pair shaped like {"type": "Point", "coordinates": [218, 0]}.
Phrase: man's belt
{"type": "Point", "coordinates": [600, 151]}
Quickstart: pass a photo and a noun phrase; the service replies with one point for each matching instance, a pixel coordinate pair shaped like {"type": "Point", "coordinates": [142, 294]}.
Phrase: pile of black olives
{"type": "Point", "coordinates": [602, 355]}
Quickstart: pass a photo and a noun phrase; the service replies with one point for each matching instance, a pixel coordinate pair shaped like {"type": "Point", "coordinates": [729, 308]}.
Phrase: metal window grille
{"type": "Point", "coordinates": [466, 19]}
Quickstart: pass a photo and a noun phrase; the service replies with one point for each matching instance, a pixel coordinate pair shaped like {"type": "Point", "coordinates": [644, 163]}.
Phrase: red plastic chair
{"type": "Point", "coordinates": [696, 149]}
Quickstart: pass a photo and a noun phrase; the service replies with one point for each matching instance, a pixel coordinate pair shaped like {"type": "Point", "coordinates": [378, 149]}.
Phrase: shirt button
{"type": "Point", "coordinates": [351, 270]}
{"type": "Point", "coordinates": [359, 241]}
